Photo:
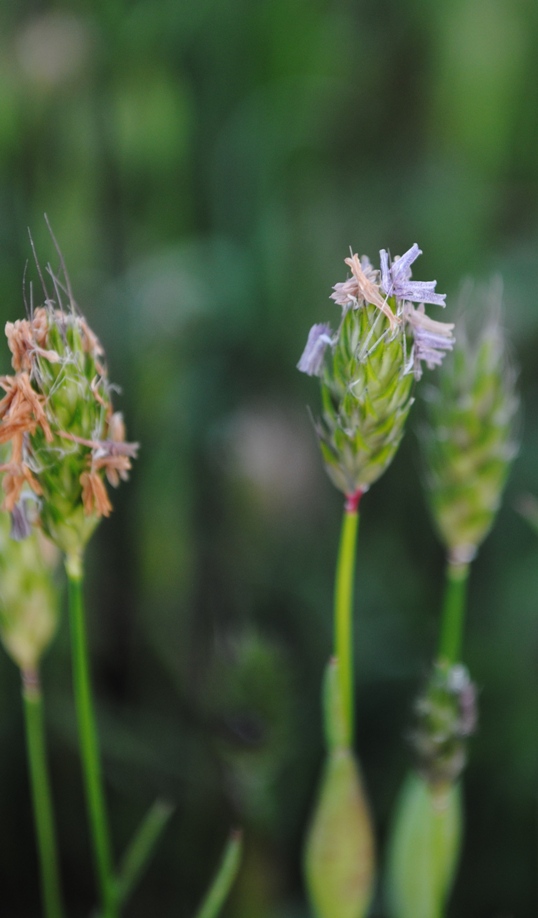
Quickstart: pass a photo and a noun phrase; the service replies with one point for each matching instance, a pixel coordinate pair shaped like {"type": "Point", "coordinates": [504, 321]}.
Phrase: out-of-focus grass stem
{"type": "Point", "coordinates": [453, 614]}
{"type": "Point", "coordinates": [41, 796]}
{"type": "Point", "coordinates": [91, 768]}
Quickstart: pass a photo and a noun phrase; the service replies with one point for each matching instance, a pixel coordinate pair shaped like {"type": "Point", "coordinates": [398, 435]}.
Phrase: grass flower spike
{"type": "Point", "coordinates": [366, 384]}
{"type": "Point", "coordinates": [470, 441]}
{"type": "Point", "coordinates": [58, 416]}
{"type": "Point", "coordinates": [446, 717]}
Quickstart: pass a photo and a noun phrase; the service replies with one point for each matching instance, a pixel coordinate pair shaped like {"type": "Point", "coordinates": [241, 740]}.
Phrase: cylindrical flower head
{"type": "Point", "coordinates": [28, 596]}
{"type": "Point", "coordinates": [57, 414]}
{"type": "Point", "coordinates": [470, 440]}
{"type": "Point", "coordinates": [424, 849]}
{"type": "Point", "coordinates": [366, 368]}
{"type": "Point", "coordinates": [366, 397]}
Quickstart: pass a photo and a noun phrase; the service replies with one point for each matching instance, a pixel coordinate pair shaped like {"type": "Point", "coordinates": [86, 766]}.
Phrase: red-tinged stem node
{"type": "Point", "coordinates": [353, 501]}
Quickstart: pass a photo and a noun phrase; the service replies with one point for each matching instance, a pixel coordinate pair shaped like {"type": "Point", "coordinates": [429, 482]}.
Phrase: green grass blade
{"type": "Point", "coordinates": [141, 849]}
{"type": "Point", "coordinates": [224, 877]}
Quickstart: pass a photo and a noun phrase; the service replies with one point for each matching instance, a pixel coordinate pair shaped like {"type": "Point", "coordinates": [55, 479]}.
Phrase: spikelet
{"type": "Point", "coordinates": [470, 440]}
{"type": "Point", "coordinates": [366, 369]}
{"type": "Point", "coordinates": [366, 397]}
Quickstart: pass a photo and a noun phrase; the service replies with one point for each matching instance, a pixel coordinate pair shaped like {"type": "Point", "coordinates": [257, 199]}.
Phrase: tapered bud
{"type": "Point", "coordinates": [28, 595]}
{"type": "Point", "coordinates": [423, 849]}
{"type": "Point", "coordinates": [339, 854]}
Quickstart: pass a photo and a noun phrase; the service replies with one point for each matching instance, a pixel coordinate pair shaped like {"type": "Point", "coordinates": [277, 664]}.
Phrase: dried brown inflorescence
{"type": "Point", "coordinates": [58, 418]}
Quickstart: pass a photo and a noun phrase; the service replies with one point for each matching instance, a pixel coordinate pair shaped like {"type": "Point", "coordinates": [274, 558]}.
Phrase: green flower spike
{"type": "Point", "coordinates": [470, 440]}
{"type": "Point", "coordinates": [366, 384]}
{"type": "Point", "coordinates": [366, 398]}
{"type": "Point", "coordinates": [446, 717]}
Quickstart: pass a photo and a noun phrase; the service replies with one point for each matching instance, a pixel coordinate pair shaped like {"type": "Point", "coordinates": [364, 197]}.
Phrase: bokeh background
{"type": "Point", "coordinates": [205, 167]}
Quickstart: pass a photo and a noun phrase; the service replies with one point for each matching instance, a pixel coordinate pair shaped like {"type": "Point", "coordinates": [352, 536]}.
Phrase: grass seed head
{"type": "Point", "coordinates": [470, 440]}
{"type": "Point", "coordinates": [366, 367]}
{"type": "Point", "coordinates": [57, 414]}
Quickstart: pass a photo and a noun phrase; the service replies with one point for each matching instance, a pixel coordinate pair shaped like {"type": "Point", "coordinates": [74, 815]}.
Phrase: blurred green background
{"type": "Point", "coordinates": [205, 167]}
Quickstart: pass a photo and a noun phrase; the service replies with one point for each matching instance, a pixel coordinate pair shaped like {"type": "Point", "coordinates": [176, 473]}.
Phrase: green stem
{"type": "Point", "coordinates": [93, 782]}
{"type": "Point", "coordinates": [41, 795]}
{"type": "Point", "coordinates": [343, 612]}
{"type": "Point", "coordinates": [453, 614]}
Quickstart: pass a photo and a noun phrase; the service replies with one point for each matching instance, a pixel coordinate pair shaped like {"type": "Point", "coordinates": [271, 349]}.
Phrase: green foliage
{"type": "Point", "coordinates": [250, 696]}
